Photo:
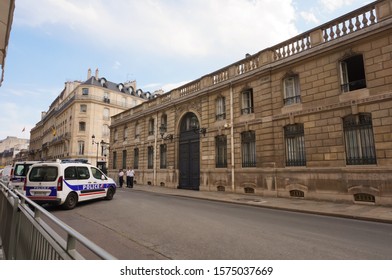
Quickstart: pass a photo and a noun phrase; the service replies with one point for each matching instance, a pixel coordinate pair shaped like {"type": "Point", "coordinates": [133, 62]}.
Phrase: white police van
{"type": "Point", "coordinates": [18, 174]}
{"type": "Point", "coordinates": [66, 183]}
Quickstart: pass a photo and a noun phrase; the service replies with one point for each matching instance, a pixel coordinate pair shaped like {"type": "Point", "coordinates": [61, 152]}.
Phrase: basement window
{"type": "Point", "coordinates": [297, 193]}
{"type": "Point", "coordinates": [364, 197]}
{"type": "Point", "coordinates": [353, 73]}
{"type": "Point", "coordinates": [249, 190]}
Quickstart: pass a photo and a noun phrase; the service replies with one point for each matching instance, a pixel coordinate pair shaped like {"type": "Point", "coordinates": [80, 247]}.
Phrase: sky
{"type": "Point", "coordinates": [160, 44]}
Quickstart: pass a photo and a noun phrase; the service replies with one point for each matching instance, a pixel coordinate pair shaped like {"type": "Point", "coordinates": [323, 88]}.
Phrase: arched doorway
{"type": "Point", "coordinates": [189, 153]}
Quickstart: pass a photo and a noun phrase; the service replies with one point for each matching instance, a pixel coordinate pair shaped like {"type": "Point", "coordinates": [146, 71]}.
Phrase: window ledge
{"type": "Point", "coordinates": [247, 117]}
{"type": "Point", "coordinates": [354, 95]}
{"type": "Point", "coordinates": [292, 108]}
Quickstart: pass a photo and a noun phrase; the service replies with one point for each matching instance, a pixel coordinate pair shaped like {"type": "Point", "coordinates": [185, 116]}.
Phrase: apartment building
{"type": "Point", "coordinates": [309, 118]}
{"type": "Point", "coordinates": [11, 149]}
{"type": "Point", "coordinates": [78, 120]}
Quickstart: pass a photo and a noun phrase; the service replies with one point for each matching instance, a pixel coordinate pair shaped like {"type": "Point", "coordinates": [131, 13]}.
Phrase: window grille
{"type": "Point", "coordinates": [163, 156]}
{"type": "Point", "coordinates": [364, 197]}
{"type": "Point", "coordinates": [221, 151]}
{"type": "Point", "coordinates": [248, 147]}
{"type": "Point", "coordinates": [136, 158]}
{"type": "Point", "coordinates": [124, 159]}
{"type": "Point", "coordinates": [359, 139]}
{"type": "Point", "coordinates": [295, 145]}
{"type": "Point", "coordinates": [150, 157]}
{"type": "Point", "coordinates": [297, 193]}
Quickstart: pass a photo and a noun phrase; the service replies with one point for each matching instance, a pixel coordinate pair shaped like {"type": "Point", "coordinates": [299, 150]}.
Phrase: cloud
{"type": "Point", "coordinates": [116, 65]}
{"type": "Point", "coordinates": [14, 118]}
{"type": "Point", "coordinates": [176, 28]}
{"type": "Point", "coordinates": [21, 108]}
{"type": "Point", "coordinates": [309, 17]}
{"type": "Point", "coordinates": [168, 87]}
{"type": "Point", "coordinates": [333, 5]}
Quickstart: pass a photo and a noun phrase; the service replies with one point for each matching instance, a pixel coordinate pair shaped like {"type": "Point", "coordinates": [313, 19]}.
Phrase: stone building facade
{"type": "Point", "coordinates": [308, 118]}
{"type": "Point", "coordinates": [77, 123]}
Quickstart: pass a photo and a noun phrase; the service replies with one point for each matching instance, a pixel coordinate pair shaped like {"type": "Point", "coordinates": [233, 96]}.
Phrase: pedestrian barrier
{"type": "Point", "coordinates": [29, 232]}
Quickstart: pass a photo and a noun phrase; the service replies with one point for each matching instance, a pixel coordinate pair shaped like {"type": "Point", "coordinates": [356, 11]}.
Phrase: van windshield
{"type": "Point", "coordinates": [43, 174]}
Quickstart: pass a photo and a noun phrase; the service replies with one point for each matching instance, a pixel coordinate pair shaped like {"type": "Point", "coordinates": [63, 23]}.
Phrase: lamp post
{"type": "Point", "coordinates": [95, 143]}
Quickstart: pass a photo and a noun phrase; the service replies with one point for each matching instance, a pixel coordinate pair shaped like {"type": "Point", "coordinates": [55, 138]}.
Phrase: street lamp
{"type": "Point", "coordinates": [194, 125]}
{"type": "Point", "coordinates": [162, 130]}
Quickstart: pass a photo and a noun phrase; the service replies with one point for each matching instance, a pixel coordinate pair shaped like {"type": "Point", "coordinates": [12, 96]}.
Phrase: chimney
{"type": "Point", "coordinates": [96, 73]}
{"type": "Point", "coordinates": [89, 74]}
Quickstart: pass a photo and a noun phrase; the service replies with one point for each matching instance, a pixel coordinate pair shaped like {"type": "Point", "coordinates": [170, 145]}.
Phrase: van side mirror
{"type": "Point", "coordinates": [103, 177]}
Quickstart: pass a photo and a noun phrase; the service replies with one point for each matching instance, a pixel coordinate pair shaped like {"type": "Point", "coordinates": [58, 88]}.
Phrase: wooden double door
{"type": "Point", "coordinates": [189, 155]}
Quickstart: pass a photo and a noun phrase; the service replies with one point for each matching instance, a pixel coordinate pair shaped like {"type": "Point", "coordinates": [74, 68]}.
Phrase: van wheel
{"type": "Point", "coordinates": [110, 193]}
{"type": "Point", "coordinates": [71, 201]}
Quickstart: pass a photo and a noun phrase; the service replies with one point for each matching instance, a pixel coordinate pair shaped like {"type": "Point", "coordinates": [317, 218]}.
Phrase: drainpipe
{"type": "Point", "coordinates": [155, 152]}
{"type": "Point", "coordinates": [232, 138]}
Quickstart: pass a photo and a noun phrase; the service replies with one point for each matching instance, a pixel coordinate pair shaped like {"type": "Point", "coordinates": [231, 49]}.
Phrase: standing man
{"type": "Point", "coordinates": [130, 175]}
{"type": "Point", "coordinates": [121, 178]}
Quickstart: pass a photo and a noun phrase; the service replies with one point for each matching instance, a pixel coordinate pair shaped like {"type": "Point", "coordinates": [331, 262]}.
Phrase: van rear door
{"type": "Point", "coordinates": [42, 183]}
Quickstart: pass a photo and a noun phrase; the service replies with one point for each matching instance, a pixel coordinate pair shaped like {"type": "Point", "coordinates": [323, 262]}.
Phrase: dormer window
{"type": "Point", "coordinates": [131, 90]}
{"type": "Point", "coordinates": [102, 81]}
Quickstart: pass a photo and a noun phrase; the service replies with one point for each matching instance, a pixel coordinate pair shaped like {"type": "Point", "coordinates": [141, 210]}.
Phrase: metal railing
{"type": "Point", "coordinates": [27, 232]}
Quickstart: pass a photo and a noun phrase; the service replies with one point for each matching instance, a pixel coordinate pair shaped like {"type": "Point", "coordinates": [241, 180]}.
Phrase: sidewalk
{"type": "Point", "coordinates": [345, 210]}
